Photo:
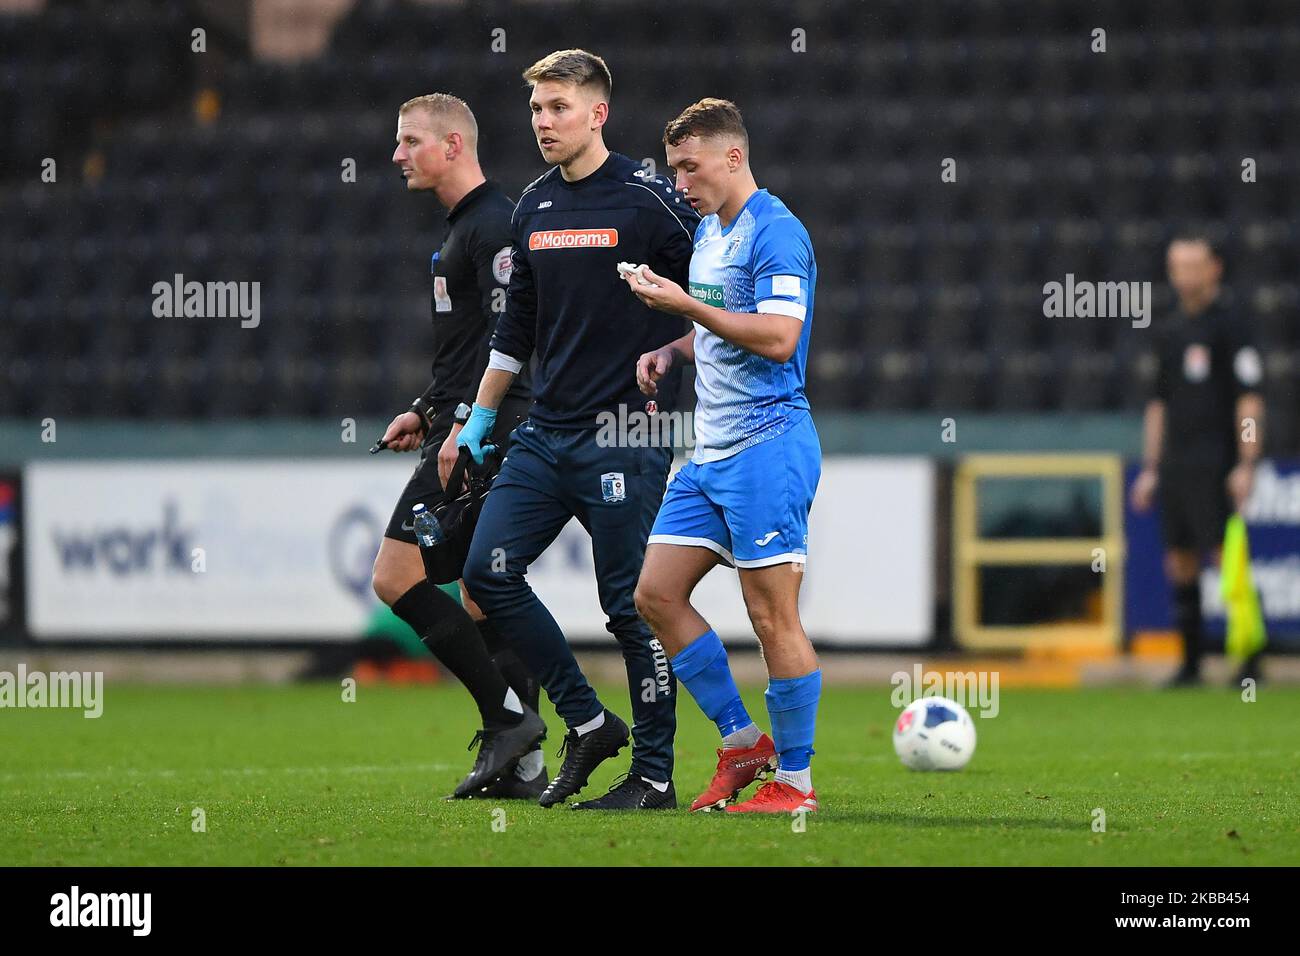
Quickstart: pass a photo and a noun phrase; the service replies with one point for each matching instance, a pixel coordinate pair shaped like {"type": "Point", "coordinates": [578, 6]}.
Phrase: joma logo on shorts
{"type": "Point", "coordinates": [573, 239]}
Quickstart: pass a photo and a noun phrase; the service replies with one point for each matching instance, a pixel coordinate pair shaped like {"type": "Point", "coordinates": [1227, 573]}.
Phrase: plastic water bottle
{"type": "Point", "coordinates": [427, 530]}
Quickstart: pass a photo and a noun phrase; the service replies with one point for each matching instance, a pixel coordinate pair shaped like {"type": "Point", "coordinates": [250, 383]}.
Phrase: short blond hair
{"type": "Point", "coordinates": [450, 114]}
{"type": "Point", "coordinates": [572, 66]}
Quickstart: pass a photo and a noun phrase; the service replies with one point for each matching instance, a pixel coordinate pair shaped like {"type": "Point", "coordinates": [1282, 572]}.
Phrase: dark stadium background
{"type": "Point", "coordinates": [1068, 161]}
{"type": "Point", "coordinates": [225, 165]}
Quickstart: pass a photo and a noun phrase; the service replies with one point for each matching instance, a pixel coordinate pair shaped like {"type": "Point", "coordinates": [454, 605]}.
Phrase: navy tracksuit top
{"type": "Point", "coordinates": [567, 301]}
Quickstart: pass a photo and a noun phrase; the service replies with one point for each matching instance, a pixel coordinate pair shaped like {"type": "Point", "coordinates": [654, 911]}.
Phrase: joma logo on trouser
{"type": "Point", "coordinates": [659, 685]}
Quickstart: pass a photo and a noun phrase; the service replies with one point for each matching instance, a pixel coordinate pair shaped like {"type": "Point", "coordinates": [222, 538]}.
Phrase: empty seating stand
{"type": "Point", "coordinates": [930, 293]}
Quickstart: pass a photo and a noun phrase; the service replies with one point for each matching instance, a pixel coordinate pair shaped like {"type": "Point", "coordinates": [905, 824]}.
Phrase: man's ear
{"type": "Point", "coordinates": [453, 145]}
{"type": "Point", "coordinates": [599, 114]}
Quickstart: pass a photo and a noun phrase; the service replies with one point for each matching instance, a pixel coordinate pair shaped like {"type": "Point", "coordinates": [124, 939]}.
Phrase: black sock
{"type": "Point", "coordinates": [515, 671]}
{"type": "Point", "coordinates": [1187, 618]}
{"type": "Point", "coordinates": [449, 632]}
{"type": "Point", "coordinates": [492, 638]}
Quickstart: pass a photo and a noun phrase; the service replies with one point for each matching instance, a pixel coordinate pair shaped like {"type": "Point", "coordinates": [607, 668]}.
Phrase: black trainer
{"type": "Point", "coordinates": [509, 787]}
{"type": "Point", "coordinates": [582, 755]}
{"type": "Point", "coordinates": [498, 750]}
{"type": "Point", "coordinates": [632, 792]}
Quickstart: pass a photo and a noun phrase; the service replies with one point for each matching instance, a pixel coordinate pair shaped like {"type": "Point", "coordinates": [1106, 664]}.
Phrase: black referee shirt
{"type": "Point", "coordinates": [471, 273]}
{"type": "Point", "coordinates": [1206, 362]}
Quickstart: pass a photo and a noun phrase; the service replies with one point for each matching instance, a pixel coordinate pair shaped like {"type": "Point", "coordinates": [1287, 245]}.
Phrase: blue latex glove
{"type": "Point", "coordinates": [476, 431]}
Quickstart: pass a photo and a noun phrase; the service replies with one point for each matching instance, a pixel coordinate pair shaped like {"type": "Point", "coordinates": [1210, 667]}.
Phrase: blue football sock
{"type": "Point", "coordinates": [702, 667]}
{"type": "Point", "coordinates": [792, 705]}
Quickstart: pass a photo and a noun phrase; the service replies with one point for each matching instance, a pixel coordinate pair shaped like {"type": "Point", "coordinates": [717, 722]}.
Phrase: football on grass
{"type": "Point", "coordinates": [934, 733]}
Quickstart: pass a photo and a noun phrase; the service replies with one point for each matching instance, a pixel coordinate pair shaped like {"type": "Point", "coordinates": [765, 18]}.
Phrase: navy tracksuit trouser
{"type": "Point", "coordinates": [550, 476]}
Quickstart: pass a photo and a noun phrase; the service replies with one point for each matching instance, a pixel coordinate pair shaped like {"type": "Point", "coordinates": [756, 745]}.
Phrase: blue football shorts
{"type": "Point", "coordinates": [750, 508]}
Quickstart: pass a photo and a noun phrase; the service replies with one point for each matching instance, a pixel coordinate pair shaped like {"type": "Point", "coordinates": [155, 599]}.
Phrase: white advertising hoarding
{"type": "Point", "coordinates": [283, 549]}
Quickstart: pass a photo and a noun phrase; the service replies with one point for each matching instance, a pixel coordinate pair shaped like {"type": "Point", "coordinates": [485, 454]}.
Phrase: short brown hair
{"type": "Point", "coordinates": [446, 111]}
{"type": "Point", "coordinates": [709, 117]}
{"type": "Point", "coordinates": [572, 66]}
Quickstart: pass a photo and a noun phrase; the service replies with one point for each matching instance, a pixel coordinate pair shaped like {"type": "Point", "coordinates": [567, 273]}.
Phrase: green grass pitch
{"type": "Point", "coordinates": [295, 776]}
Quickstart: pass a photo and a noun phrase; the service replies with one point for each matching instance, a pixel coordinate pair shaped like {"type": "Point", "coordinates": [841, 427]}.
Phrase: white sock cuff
{"type": "Point", "coordinates": [801, 780]}
{"type": "Point", "coordinates": [594, 724]}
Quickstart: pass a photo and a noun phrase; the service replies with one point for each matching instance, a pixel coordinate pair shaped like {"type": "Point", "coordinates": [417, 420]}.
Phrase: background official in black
{"type": "Point", "coordinates": [1202, 431]}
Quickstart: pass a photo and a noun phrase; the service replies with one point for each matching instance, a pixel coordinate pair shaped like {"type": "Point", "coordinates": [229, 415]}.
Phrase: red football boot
{"type": "Point", "coordinates": [777, 797]}
{"type": "Point", "coordinates": [737, 768]}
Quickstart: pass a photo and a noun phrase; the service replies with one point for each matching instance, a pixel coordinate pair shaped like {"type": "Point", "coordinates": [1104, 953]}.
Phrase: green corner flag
{"type": "Point", "coordinates": [1246, 636]}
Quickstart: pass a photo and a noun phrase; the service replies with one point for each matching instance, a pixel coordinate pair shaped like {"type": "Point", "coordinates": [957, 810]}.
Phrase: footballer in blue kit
{"type": "Point", "coordinates": [744, 497]}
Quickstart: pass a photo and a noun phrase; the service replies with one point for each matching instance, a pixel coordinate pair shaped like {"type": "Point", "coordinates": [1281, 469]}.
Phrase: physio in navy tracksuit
{"type": "Point", "coordinates": [566, 303]}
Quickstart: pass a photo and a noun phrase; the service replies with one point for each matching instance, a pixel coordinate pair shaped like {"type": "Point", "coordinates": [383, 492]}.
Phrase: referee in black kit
{"type": "Point", "coordinates": [1202, 432]}
{"type": "Point", "coordinates": [437, 149]}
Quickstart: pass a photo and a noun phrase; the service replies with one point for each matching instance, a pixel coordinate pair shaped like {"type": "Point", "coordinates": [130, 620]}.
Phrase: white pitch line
{"type": "Point", "coordinates": [241, 771]}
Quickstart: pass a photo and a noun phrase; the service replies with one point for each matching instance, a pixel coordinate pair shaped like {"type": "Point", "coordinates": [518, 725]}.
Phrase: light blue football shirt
{"type": "Point", "coordinates": [762, 262]}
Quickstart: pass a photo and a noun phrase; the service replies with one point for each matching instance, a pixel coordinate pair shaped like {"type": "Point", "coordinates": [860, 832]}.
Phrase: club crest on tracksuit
{"type": "Point", "coordinates": [612, 486]}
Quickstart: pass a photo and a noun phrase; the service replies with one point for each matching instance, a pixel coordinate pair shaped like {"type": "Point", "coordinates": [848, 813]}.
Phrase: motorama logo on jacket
{"type": "Point", "coordinates": [572, 239]}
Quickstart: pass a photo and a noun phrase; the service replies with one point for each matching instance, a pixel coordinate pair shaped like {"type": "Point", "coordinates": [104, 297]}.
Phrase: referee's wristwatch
{"type": "Point", "coordinates": [461, 415]}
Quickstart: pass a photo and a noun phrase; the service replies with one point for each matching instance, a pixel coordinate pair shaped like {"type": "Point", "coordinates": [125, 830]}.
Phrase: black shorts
{"type": "Point", "coordinates": [1194, 507]}
{"type": "Point", "coordinates": [425, 487]}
